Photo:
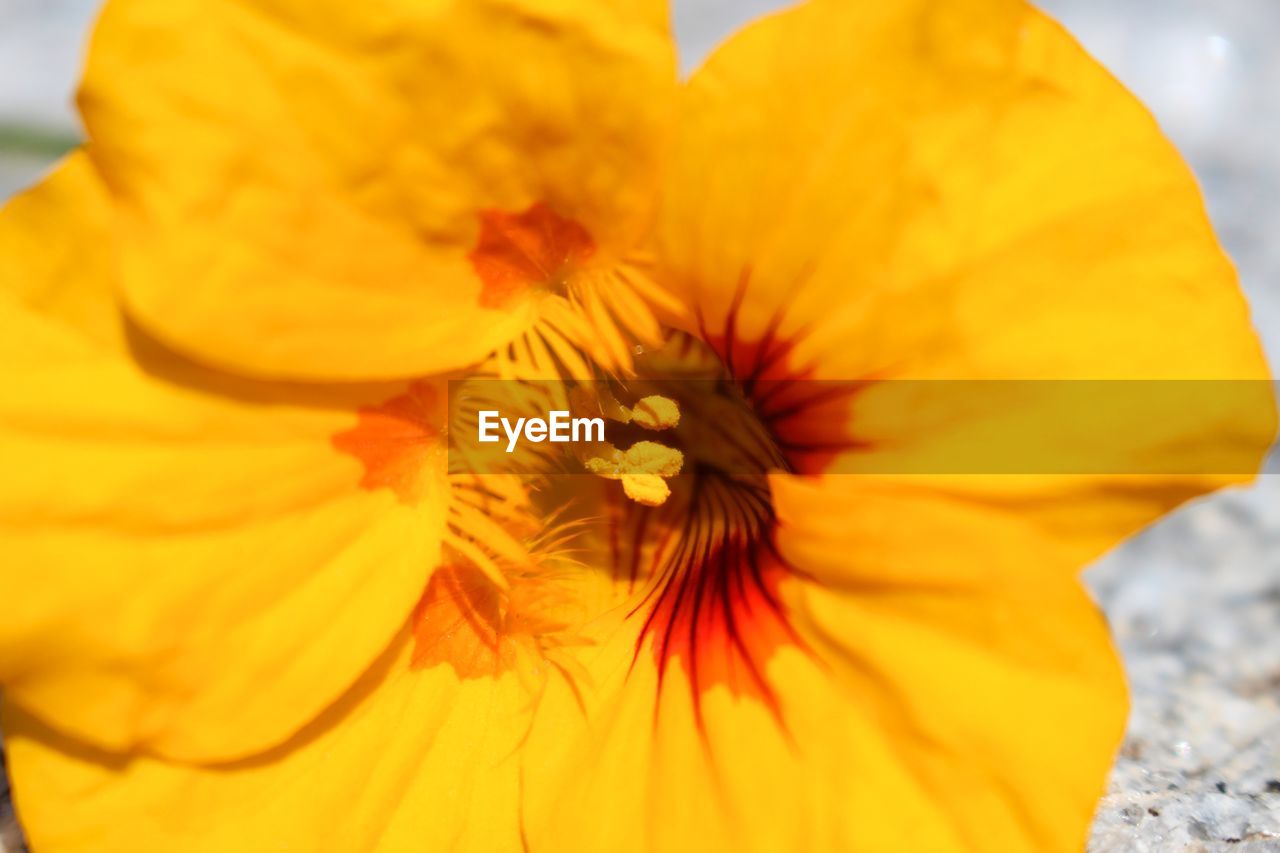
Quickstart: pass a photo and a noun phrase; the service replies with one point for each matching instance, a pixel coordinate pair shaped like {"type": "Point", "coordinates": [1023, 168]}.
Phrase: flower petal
{"type": "Point", "coordinates": [975, 706]}
{"type": "Point", "coordinates": [942, 190]}
{"type": "Point", "coordinates": [956, 191]}
{"type": "Point", "coordinates": [302, 185]}
{"type": "Point", "coordinates": [409, 760]}
{"type": "Point", "coordinates": [192, 567]}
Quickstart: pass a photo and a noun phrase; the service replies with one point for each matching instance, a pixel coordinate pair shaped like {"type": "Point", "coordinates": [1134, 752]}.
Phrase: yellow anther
{"type": "Point", "coordinates": [655, 412]}
{"type": "Point", "coordinates": [642, 468]}
{"type": "Point", "coordinates": [606, 466]}
{"type": "Point", "coordinates": [647, 489]}
{"type": "Point", "coordinates": [649, 457]}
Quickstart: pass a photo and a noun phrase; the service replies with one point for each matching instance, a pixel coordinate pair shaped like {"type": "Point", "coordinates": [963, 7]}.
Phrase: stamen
{"type": "Point", "coordinates": [646, 489]}
{"type": "Point", "coordinates": [643, 457]}
{"type": "Point", "coordinates": [642, 468]}
{"type": "Point", "coordinates": [653, 412]}
{"type": "Point", "coordinates": [645, 466]}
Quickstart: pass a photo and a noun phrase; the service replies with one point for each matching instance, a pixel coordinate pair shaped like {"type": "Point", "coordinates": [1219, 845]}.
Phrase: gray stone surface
{"type": "Point", "coordinates": [1195, 601]}
{"type": "Point", "coordinates": [17, 172]}
{"type": "Point", "coordinates": [40, 46]}
{"type": "Point", "coordinates": [1195, 605]}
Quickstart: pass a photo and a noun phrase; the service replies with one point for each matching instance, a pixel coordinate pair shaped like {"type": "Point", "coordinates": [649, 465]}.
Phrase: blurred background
{"type": "Point", "coordinates": [1195, 601]}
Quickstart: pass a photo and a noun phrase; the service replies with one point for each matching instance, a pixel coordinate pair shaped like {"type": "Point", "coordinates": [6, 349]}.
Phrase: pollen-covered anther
{"type": "Point", "coordinates": [655, 412]}
{"type": "Point", "coordinates": [642, 468]}
{"type": "Point", "coordinates": [647, 489]}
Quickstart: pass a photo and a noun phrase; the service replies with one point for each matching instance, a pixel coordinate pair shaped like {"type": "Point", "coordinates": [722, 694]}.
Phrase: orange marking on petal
{"type": "Point", "coordinates": [395, 441]}
{"type": "Point", "coordinates": [519, 251]}
{"type": "Point", "coordinates": [458, 621]}
{"type": "Point", "coordinates": [464, 620]}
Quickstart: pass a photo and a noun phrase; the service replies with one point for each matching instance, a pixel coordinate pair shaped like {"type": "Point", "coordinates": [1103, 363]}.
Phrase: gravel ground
{"type": "Point", "coordinates": [1195, 605]}
{"type": "Point", "coordinates": [1195, 601]}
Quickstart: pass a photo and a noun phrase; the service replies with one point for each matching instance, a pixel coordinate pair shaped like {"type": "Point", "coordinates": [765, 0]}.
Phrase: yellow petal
{"type": "Point", "coordinates": [975, 705]}
{"type": "Point", "coordinates": [956, 191]}
{"type": "Point", "coordinates": [337, 190]}
{"type": "Point", "coordinates": [940, 190]}
{"type": "Point", "coordinates": [193, 565]}
{"type": "Point", "coordinates": [409, 760]}
{"type": "Point", "coordinates": [53, 255]}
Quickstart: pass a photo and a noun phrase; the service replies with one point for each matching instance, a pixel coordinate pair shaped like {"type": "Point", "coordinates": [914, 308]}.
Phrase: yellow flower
{"type": "Point", "coordinates": [246, 605]}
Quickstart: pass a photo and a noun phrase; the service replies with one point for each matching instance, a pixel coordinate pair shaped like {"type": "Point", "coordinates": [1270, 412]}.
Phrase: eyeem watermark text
{"type": "Point", "coordinates": [557, 427]}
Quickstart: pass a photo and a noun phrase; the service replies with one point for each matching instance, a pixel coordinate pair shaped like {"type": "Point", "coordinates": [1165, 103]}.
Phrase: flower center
{"type": "Point", "coordinates": [678, 523]}
{"type": "Point", "coordinates": [703, 562]}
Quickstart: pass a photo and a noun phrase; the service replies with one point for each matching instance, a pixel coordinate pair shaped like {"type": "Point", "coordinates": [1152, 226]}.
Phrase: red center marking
{"type": "Point", "coordinates": [721, 618]}
{"type": "Point", "coordinates": [394, 439]}
{"type": "Point", "coordinates": [517, 251]}
{"type": "Point", "coordinates": [807, 418]}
